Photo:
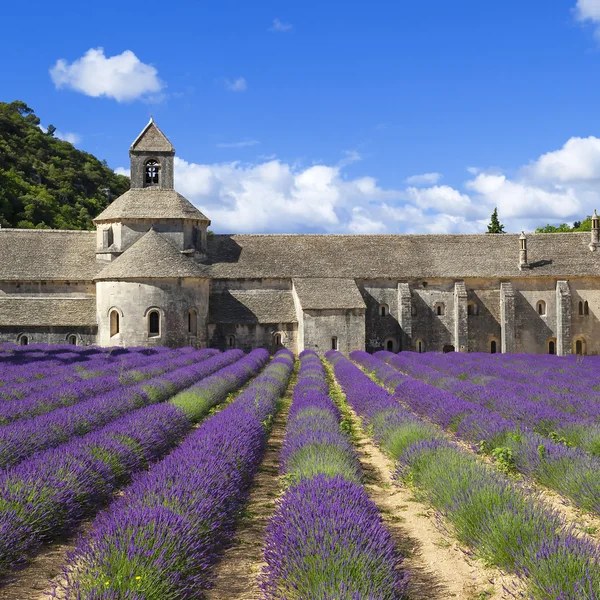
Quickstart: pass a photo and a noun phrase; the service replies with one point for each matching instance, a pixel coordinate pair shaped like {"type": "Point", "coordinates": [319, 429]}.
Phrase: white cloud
{"type": "Point", "coordinates": [272, 196]}
{"type": "Point", "coordinates": [240, 144]}
{"type": "Point", "coordinates": [280, 26]}
{"type": "Point", "coordinates": [588, 10]}
{"type": "Point", "coordinates": [442, 198]}
{"type": "Point", "coordinates": [237, 85]}
{"type": "Point", "coordinates": [122, 77]}
{"type": "Point", "coordinates": [424, 179]}
{"type": "Point", "coordinates": [73, 138]}
{"type": "Point", "coordinates": [577, 160]}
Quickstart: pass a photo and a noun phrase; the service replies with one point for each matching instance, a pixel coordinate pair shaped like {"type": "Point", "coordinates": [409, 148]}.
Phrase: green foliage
{"type": "Point", "coordinates": [46, 183]}
{"type": "Point", "coordinates": [495, 226]}
{"type": "Point", "coordinates": [585, 225]}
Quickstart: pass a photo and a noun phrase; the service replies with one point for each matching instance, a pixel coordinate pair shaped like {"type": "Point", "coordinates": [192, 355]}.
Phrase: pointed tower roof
{"type": "Point", "coordinates": [151, 139]}
{"type": "Point", "coordinates": [152, 257]}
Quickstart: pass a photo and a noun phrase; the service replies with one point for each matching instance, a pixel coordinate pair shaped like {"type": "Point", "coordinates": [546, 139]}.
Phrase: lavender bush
{"type": "Point", "coordinates": [50, 493]}
{"type": "Point", "coordinates": [159, 540]}
{"type": "Point", "coordinates": [326, 539]}
{"type": "Point", "coordinates": [24, 438]}
{"type": "Point", "coordinates": [487, 511]}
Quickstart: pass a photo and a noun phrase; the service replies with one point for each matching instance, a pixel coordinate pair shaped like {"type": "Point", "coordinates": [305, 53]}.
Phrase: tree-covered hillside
{"type": "Point", "coordinates": [45, 182]}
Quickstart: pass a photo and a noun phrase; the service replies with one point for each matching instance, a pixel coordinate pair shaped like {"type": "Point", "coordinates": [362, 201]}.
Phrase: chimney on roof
{"type": "Point", "coordinates": [523, 264]}
{"type": "Point", "coordinates": [595, 243]}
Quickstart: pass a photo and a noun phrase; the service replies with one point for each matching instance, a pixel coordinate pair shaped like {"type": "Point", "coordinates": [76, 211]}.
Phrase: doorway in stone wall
{"type": "Point", "coordinates": [448, 348]}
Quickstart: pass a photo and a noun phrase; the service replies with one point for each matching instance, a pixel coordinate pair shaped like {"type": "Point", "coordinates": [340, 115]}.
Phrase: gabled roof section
{"type": "Point", "coordinates": [152, 139]}
{"type": "Point", "coordinates": [252, 306]}
{"type": "Point", "coordinates": [150, 203]}
{"type": "Point", "coordinates": [152, 257]}
{"type": "Point", "coordinates": [401, 257]}
{"type": "Point", "coordinates": [328, 293]}
{"type": "Point", "coordinates": [47, 255]}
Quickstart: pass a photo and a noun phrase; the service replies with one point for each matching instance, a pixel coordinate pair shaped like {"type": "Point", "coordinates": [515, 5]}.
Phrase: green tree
{"type": "Point", "coordinates": [585, 225]}
{"type": "Point", "coordinates": [45, 182]}
{"type": "Point", "coordinates": [495, 226]}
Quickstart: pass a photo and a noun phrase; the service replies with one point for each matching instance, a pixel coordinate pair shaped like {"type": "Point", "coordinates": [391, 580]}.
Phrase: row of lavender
{"type": "Point", "coordinates": [563, 375]}
{"type": "Point", "coordinates": [68, 391]}
{"type": "Point", "coordinates": [49, 494]}
{"type": "Point", "coordinates": [326, 539]}
{"type": "Point", "coordinates": [488, 512]}
{"type": "Point", "coordinates": [15, 387]}
{"type": "Point", "coordinates": [570, 471]}
{"type": "Point", "coordinates": [160, 539]}
{"type": "Point", "coordinates": [35, 363]}
{"type": "Point", "coordinates": [572, 419]}
{"type": "Point", "coordinates": [22, 439]}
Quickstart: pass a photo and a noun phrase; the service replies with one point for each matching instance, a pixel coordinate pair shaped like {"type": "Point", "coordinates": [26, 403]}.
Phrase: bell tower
{"type": "Point", "coordinates": [151, 156]}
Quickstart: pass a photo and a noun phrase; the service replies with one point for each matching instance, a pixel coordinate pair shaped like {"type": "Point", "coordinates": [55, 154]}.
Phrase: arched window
{"type": "Point", "coordinates": [580, 347]}
{"type": "Point", "coordinates": [152, 172]}
{"type": "Point", "coordinates": [493, 347]}
{"type": "Point", "coordinates": [384, 310]}
{"type": "Point", "coordinates": [193, 321]}
{"type": "Point", "coordinates": [586, 308]}
{"type": "Point", "coordinates": [552, 346]}
{"type": "Point", "coordinates": [24, 340]}
{"type": "Point", "coordinates": [114, 323]}
{"type": "Point", "coordinates": [277, 340]}
{"type": "Point", "coordinates": [541, 308]}
{"type": "Point", "coordinates": [440, 309]}
{"type": "Point", "coordinates": [334, 343]}
{"type": "Point", "coordinates": [153, 323]}
{"type": "Point", "coordinates": [580, 307]}
{"type": "Point", "coordinates": [420, 346]}
{"type": "Point", "coordinates": [390, 346]}
{"type": "Point", "coordinates": [448, 348]}
{"type": "Point", "coordinates": [472, 308]}
{"type": "Point", "coordinates": [231, 341]}
{"type": "Point", "coordinates": [72, 339]}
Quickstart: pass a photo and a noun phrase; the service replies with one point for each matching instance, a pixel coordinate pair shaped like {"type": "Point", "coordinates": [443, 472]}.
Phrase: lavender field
{"type": "Point", "coordinates": [144, 474]}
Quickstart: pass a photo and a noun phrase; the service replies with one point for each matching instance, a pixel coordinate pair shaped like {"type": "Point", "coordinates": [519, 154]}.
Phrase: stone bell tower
{"type": "Point", "coordinates": [151, 156]}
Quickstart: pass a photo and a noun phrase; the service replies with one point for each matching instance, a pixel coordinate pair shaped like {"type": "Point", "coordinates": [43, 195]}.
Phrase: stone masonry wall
{"type": "Point", "coordinates": [320, 326]}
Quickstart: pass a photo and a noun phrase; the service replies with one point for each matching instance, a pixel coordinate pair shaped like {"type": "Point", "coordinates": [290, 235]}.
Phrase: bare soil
{"type": "Point", "coordinates": [237, 573]}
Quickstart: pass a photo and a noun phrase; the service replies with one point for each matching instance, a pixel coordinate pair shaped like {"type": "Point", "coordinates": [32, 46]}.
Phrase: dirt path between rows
{"type": "Point", "coordinates": [438, 567]}
{"type": "Point", "coordinates": [236, 574]}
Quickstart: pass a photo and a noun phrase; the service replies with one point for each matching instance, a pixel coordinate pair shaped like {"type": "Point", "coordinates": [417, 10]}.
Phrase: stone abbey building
{"type": "Point", "coordinates": [151, 274]}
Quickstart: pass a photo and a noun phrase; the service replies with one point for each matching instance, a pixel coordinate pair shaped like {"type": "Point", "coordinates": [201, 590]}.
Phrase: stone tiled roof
{"type": "Point", "coordinates": [152, 139]}
{"type": "Point", "coordinates": [150, 203]}
{"type": "Point", "coordinates": [252, 306]}
{"type": "Point", "coordinates": [46, 254]}
{"type": "Point", "coordinates": [331, 292]}
{"type": "Point", "coordinates": [48, 311]}
{"type": "Point", "coordinates": [152, 256]}
{"type": "Point", "coordinates": [401, 256]}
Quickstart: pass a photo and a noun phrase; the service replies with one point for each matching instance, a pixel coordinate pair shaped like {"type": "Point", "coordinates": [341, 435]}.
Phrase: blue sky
{"type": "Point", "coordinates": [325, 116]}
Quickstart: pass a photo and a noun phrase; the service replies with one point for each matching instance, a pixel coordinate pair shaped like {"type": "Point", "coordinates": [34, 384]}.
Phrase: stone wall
{"type": "Point", "coordinates": [180, 232]}
{"type": "Point", "coordinates": [348, 326]}
{"type": "Point", "coordinates": [86, 336]}
{"type": "Point", "coordinates": [248, 336]}
{"type": "Point", "coordinates": [138, 168]}
{"type": "Point", "coordinates": [484, 325]}
{"type": "Point", "coordinates": [173, 298]}
{"type": "Point", "coordinates": [381, 330]}
{"type": "Point", "coordinates": [433, 330]}
{"type": "Point", "coordinates": [532, 330]}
